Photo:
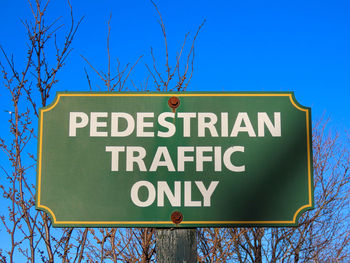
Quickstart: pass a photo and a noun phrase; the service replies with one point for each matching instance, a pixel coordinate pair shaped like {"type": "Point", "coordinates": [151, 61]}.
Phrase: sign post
{"type": "Point", "coordinates": [182, 160]}
{"type": "Point", "coordinates": [176, 245]}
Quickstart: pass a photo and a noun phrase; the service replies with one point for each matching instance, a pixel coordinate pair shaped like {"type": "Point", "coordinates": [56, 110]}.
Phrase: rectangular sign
{"type": "Point", "coordinates": [174, 159]}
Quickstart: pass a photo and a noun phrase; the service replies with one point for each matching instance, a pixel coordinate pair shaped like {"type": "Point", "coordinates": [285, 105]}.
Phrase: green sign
{"type": "Point", "coordinates": [174, 159]}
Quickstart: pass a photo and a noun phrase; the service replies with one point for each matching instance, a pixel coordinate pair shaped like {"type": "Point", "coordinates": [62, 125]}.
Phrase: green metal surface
{"type": "Point", "coordinates": [76, 184]}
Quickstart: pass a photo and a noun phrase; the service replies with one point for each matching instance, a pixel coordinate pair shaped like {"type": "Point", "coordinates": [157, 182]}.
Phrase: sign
{"type": "Point", "coordinates": [174, 159]}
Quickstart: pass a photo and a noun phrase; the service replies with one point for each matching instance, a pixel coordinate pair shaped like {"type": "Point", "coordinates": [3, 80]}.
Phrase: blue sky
{"type": "Point", "coordinates": [300, 46]}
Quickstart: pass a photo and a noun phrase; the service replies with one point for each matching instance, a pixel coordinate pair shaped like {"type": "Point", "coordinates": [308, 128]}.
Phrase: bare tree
{"type": "Point", "coordinates": [138, 245]}
{"type": "Point", "coordinates": [112, 81]}
{"type": "Point", "coordinates": [322, 234]}
{"type": "Point", "coordinates": [30, 230]}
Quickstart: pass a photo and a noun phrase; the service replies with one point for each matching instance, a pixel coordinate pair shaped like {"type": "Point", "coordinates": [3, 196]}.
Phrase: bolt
{"type": "Point", "coordinates": [173, 103]}
{"type": "Point", "coordinates": [176, 217]}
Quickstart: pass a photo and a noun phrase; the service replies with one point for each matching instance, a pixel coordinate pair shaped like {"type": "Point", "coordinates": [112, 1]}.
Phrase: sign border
{"type": "Point", "coordinates": [293, 222]}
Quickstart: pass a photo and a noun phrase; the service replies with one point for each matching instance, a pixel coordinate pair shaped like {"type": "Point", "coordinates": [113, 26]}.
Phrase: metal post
{"type": "Point", "coordinates": [176, 245]}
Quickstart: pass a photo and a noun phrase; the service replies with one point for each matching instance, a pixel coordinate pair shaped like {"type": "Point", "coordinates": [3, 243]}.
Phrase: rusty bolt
{"type": "Point", "coordinates": [177, 217]}
{"type": "Point", "coordinates": [174, 102]}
